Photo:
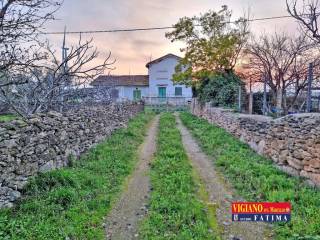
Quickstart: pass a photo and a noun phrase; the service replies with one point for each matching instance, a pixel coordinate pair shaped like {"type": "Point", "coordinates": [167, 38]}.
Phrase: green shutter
{"type": "Point", "coordinates": [162, 92]}
{"type": "Point", "coordinates": [178, 91]}
{"type": "Point", "coordinates": [136, 94]}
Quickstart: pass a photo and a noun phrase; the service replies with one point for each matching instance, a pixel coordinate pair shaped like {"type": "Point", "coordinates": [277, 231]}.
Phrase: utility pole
{"type": "Point", "coordinates": [64, 64]}
{"type": "Point", "coordinates": [264, 95]}
{"type": "Point", "coordinates": [310, 79]}
{"type": "Point", "coordinates": [64, 51]}
{"type": "Point", "coordinates": [63, 45]}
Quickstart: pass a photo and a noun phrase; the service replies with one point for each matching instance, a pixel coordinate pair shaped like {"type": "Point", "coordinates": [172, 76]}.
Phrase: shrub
{"type": "Point", "coordinates": [221, 89]}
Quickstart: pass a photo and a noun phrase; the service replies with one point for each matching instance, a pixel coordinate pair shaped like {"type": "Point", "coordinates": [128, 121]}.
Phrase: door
{"type": "Point", "coordinates": [162, 92]}
{"type": "Point", "coordinates": [136, 95]}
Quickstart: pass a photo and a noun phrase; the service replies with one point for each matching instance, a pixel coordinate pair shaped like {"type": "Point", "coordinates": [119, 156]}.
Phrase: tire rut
{"type": "Point", "coordinates": [220, 194]}
{"type": "Point", "coordinates": [123, 220]}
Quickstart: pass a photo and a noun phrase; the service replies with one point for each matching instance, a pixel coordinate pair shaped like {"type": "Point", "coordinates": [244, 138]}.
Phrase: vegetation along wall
{"type": "Point", "coordinates": [48, 141]}
{"type": "Point", "coordinates": [292, 142]}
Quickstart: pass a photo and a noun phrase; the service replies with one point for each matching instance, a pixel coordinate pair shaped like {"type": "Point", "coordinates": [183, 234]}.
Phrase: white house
{"type": "Point", "coordinates": [157, 84]}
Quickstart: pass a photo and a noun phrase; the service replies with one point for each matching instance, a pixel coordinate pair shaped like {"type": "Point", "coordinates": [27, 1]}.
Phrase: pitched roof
{"type": "Point", "coordinates": [161, 58]}
{"type": "Point", "coordinates": [121, 80]}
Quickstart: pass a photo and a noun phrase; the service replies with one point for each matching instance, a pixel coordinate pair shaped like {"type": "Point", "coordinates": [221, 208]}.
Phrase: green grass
{"type": "Point", "coordinates": [7, 117]}
{"type": "Point", "coordinates": [175, 212]}
{"type": "Point", "coordinates": [71, 203]}
{"type": "Point", "coordinates": [256, 179]}
{"type": "Point", "coordinates": [164, 108]}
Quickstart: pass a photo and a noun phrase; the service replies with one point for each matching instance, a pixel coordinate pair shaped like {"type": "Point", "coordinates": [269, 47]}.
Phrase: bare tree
{"type": "Point", "coordinates": [20, 23]}
{"type": "Point", "coordinates": [53, 83]}
{"type": "Point", "coordinates": [307, 13]}
{"type": "Point", "coordinates": [283, 60]}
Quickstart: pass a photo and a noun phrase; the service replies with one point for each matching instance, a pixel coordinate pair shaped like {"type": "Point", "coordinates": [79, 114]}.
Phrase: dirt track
{"type": "Point", "coordinates": [122, 222]}
{"type": "Point", "coordinates": [220, 193]}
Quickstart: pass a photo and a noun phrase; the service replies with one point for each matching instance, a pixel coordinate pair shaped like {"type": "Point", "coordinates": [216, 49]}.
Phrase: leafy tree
{"type": "Point", "coordinates": [213, 44]}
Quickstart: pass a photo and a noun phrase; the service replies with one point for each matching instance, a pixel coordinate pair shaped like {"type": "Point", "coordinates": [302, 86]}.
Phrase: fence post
{"type": "Point", "coordinates": [250, 98]}
{"type": "Point", "coordinates": [239, 99]}
{"type": "Point", "coordinates": [310, 78]}
{"type": "Point", "coordinates": [264, 95]}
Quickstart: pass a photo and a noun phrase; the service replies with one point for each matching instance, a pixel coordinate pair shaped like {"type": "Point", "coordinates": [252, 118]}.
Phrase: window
{"type": "Point", "coordinates": [162, 78]}
{"type": "Point", "coordinates": [178, 91]}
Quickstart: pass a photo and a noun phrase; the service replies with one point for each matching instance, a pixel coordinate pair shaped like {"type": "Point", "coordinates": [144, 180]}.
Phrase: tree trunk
{"type": "Point", "coordinates": [285, 106]}
{"type": "Point", "coordinates": [251, 103]}
{"type": "Point", "coordinates": [279, 100]}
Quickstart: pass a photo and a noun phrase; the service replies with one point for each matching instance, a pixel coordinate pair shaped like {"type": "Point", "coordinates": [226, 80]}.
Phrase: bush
{"type": "Point", "coordinates": [220, 89]}
{"type": "Point", "coordinates": [258, 102]}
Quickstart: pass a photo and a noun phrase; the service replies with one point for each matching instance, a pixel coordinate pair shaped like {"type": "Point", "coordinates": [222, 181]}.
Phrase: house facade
{"type": "Point", "coordinates": [157, 84]}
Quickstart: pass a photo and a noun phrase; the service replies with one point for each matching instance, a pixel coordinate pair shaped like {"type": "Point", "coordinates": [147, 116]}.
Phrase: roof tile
{"type": "Point", "coordinates": [121, 80]}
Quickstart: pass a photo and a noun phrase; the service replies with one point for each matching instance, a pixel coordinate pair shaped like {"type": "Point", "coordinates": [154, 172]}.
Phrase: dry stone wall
{"type": "Point", "coordinates": [48, 141]}
{"type": "Point", "coordinates": [292, 142]}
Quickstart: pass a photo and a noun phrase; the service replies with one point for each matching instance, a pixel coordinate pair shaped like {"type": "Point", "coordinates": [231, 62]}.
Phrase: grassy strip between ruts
{"type": "Point", "coordinates": [71, 203]}
{"type": "Point", "coordinates": [175, 212]}
{"type": "Point", "coordinates": [7, 118]}
{"type": "Point", "coordinates": [256, 179]}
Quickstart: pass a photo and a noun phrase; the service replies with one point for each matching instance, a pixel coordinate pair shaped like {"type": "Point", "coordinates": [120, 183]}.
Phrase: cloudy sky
{"type": "Point", "coordinates": [133, 50]}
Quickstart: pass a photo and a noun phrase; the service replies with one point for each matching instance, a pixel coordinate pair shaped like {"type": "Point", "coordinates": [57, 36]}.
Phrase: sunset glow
{"type": "Point", "coordinates": [134, 49]}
